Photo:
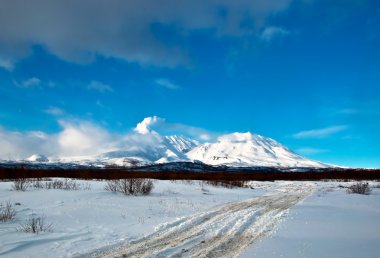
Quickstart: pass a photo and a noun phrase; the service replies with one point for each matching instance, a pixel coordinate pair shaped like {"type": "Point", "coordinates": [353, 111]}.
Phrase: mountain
{"type": "Point", "coordinates": [37, 158]}
{"type": "Point", "coordinates": [180, 143]}
{"type": "Point", "coordinates": [247, 149]}
{"type": "Point", "coordinates": [154, 149]}
{"type": "Point", "coordinates": [232, 150]}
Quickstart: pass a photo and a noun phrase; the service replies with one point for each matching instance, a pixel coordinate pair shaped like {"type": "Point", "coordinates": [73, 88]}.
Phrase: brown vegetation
{"type": "Point", "coordinates": [258, 175]}
{"type": "Point", "coordinates": [130, 186]}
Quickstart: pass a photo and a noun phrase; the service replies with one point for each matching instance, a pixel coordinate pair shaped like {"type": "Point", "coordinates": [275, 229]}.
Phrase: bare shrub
{"type": "Point", "coordinates": [64, 184]}
{"type": "Point", "coordinates": [147, 187]}
{"type": "Point", "coordinates": [35, 225]}
{"type": "Point", "coordinates": [130, 186]}
{"type": "Point", "coordinates": [359, 188]}
{"type": "Point", "coordinates": [70, 184]}
{"type": "Point", "coordinates": [112, 186]}
{"type": "Point", "coordinates": [86, 186]}
{"type": "Point", "coordinates": [21, 184]}
{"type": "Point", "coordinates": [7, 212]}
{"type": "Point", "coordinates": [48, 183]}
{"type": "Point", "coordinates": [37, 183]}
{"type": "Point", "coordinates": [226, 183]}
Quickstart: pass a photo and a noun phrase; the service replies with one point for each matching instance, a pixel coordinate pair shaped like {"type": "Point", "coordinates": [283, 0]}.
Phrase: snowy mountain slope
{"type": "Point", "coordinates": [180, 143]}
{"type": "Point", "coordinates": [247, 149]}
{"type": "Point", "coordinates": [37, 158]}
{"type": "Point", "coordinates": [234, 150]}
{"type": "Point", "coordinates": [158, 149]}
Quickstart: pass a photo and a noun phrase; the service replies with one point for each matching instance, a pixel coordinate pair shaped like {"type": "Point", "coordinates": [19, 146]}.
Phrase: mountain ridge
{"type": "Point", "coordinates": [232, 150]}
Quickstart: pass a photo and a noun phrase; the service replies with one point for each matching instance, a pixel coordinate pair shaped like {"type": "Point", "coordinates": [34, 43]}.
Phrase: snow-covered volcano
{"type": "Point", "coordinates": [153, 148]}
{"type": "Point", "coordinates": [247, 149]}
{"type": "Point", "coordinates": [149, 147]}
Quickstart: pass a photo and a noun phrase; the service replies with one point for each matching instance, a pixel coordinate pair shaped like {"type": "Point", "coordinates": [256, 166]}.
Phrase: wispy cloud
{"type": "Point", "coordinates": [16, 145]}
{"type": "Point", "coordinates": [166, 83]}
{"type": "Point", "coordinates": [310, 151]}
{"type": "Point", "coordinates": [55, 111]}
{"type": "Point", "coordinates": [83, 138]}
{"type": "Point", "coordinates": [272, 32]}
{"type": "Point", "coordinates": [320, 133]}
{"type": "Point", "coordinates": [30, 83]}
{"type": "Point", "coordinates": [99, 86]}
{"type": "Point", "coordinates": [6, 64]}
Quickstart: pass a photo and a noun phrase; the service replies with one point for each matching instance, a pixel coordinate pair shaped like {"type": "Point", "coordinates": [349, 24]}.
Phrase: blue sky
{"type": "Point", "coordinates": [305, 73]}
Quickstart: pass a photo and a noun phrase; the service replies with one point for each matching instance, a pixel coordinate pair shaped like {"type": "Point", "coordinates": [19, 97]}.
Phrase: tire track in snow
{"type": "Point", "coordinates": [222, 232]}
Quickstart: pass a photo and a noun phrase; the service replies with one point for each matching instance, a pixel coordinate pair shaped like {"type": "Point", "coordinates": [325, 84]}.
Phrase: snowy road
{"type": "Point", "coordinates": [222, 232]}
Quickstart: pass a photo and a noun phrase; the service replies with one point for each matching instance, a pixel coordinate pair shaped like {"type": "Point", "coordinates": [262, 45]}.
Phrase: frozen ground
{"type": "Point", "coordinates": [330, 223]}
{"type": "Point", "coordinates": [86, 220]}
{"type": "Point", "coordinates": [182, 219]}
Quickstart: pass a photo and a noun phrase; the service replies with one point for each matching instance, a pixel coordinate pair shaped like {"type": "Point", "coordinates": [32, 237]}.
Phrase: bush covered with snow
{"type": "Point", "coordinates": [359, 188]}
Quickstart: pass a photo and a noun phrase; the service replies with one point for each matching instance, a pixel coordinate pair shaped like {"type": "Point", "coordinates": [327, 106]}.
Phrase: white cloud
{"type": "Point", "coordinates": [320, 133]}
{"type": "Point", "coordinates": [75, 138]}
{"type": "Point", "coordinates": [310, 151]}
{"type": "Point", "coordinates": [55, 111]}
{"type": "Point", "coordinates": [18, 145]}
{"type": "Point", "coordinates": [99, 86]}
{"type": "Point", "coordinates": [167, 84]}
{"type": "Point", "coordinates": [158, 125]}
{"type": "Point", "coordinates": [205, 137]}
{"type": "Point", "coordinates": [192, 131]}
{"type": "Point", "coordinates": [83, 138]}
{"type": "Point", "coordinates": [145, 126]}
{"type": "Point", "coordinates": [78, 137]}
{"type": "Point", "coordinates": [272, 32]}
{"type": "Point", "coordinates": [30, 83]}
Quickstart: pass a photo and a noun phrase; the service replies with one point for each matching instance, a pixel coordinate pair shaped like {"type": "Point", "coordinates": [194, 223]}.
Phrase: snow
{"type": "Point", "coordinates": [147, 146]}
{"type": "Point", "coordinates": [329, 223]}
{"type": "Point", "coordinates": [85, 220]}
{"type": "Point", "coordinates": [154, 149]}
{"type": "Point", "coordinates": [247, 149]}
{"type": "Point", "coordinates": [37, 158]}
{"type": "Point", "coordinates": [220, 232]}
{"type": "Point", "coordinates": [180, 143]}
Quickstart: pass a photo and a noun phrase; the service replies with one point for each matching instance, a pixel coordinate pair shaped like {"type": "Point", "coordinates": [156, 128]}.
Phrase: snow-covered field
{"type": "Point", "coordinates": [191, 219]}
{"type": "Point", "coordinates": [330, 223]}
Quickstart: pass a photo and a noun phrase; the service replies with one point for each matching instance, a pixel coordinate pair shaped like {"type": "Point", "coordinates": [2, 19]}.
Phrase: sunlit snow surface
{"type": "Point", "coordinates": [85, 220]}
{"type": "Point", "coordinates": [247, 149]}
{"type": "Point", "coordinates": [329, 223]}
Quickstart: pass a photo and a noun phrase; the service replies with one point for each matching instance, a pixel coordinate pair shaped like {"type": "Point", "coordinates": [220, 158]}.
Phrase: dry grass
{"type": "Point", "coordinates": [7, 212]}
{"type": "Point", "coordinates": [35, 225]}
